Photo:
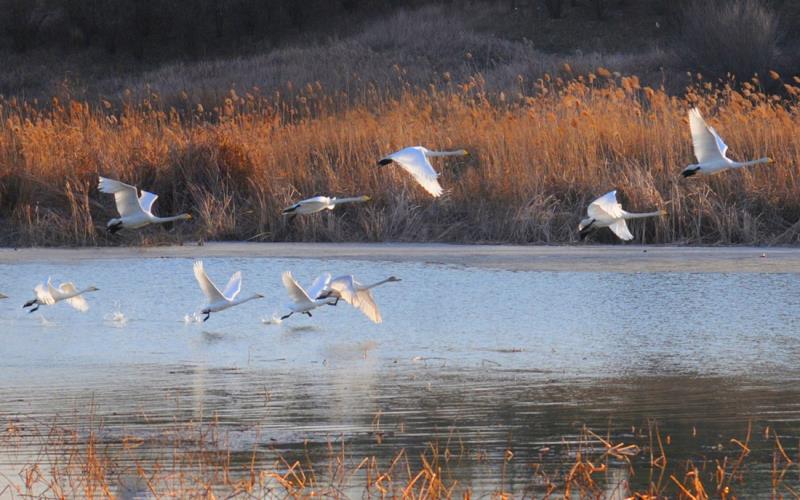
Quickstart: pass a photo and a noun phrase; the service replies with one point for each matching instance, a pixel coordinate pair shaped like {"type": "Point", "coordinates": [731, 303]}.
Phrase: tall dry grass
{"type": "Point", "coordinates": [539, 156]}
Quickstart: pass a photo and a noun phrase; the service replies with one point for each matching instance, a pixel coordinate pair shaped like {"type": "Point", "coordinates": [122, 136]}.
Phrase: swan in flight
{"type": "Point", "coordinates": [354, 293]}
{"type": "Point", "coordinates": [301, 299]}
{"type": "Point", "coordinates": [48, 295]}
{"type": "Point", "coordinates": [606, 212]}
{"type": "Point", "coordinates": [414, 160]}
{"type": "Point", "coordinates": [710, 149]}
{"type": "Point", "coordinates": [219, 301]}
{"type": "Point", "coordinates": [320, 203]}
{"type": "Point", "coordinates": [135, 210]}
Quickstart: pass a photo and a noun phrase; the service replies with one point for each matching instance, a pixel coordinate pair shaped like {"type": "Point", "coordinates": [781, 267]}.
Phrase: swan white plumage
{"type": "Point", "coordinates": [219, 301]}
{"type": "Point", "coordinates": [320, 203]}
{"type": "Point", "coordinates": [710, 150]}
{"type": "Point", "coordinates": [354, 293]}
{"type": "Point", "coordinates": [414, 160]}
{"type": "Point", "coordinates": [49, 295]}
{"type": "Point", "coordinates": [302, 301]}
{"type": "Point", "coordinates": [607, 212]}
{"type": "Point", "coordinates": [135, 210]}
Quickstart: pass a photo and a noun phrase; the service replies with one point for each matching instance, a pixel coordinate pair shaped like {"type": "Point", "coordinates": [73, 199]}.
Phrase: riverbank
{"type": "Point", "coordinates": [507, 257]}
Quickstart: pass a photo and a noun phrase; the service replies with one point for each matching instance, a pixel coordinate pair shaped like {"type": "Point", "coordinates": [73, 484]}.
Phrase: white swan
{"type": "Point", "coordinates": [301, 300]}
{"type": "Point", "coordinates": [219, 301]}
{"type": "Point", "coordinates": [135, 210]}
{"type": "Point", "coordinates": [414, 160]}
{"type": "Point", "coordinates": [354, 293]}
{"type": "Point", "coordinates": [320, 203]}
{"type": "Point", "coordinates": [710, 149]}
{"type": "Point", "coordinates": [49, 295]}
{"type": "Point", "coordinates": [606, 212]}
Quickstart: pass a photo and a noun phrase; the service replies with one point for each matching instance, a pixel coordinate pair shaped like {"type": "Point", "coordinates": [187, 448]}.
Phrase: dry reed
{"type": "Point", "coordinates": [539, 155]}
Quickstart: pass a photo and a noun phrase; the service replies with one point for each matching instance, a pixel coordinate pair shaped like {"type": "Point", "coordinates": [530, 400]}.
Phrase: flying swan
{"type": "Point", "coordinates": [606, 212]}
{"type": "Point", "coordinates": [219, 301]}
{"type": "Point", "coordinates": [135, 210]}
{"type": "Point", "coordinates": [710, 149]}
{"type": "Point", "coordinates": [48, 295]}
{"type": "Point", "coordinates": [354, 293]}
{"type": "Point", "coordinates": [320, 203]}
{"type": "Point", "coordinates": [414, 160]}
{"type": "Point", "coordinates": [301, 300]}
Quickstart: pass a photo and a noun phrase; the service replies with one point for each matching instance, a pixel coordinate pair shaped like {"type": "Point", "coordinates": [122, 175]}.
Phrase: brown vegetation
{"type": "Point", "coordinates": [197, 460]}
{"type": "Point", "coordinates": [539, 156]}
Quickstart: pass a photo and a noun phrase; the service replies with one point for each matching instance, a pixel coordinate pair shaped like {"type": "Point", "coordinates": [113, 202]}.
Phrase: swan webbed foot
{"type": "Point", "coordinates": [207, 315]}
{"type": "Point", "coordinates": [286, 316]}
{"type": "Point", "coordinates": [689, 173]}
{"type": "Point", "coordinates": [29, 303]}
{"type": "Point", "coordinates": [34, 309]}
{"type": "Point", "coordinates": [114, 228]}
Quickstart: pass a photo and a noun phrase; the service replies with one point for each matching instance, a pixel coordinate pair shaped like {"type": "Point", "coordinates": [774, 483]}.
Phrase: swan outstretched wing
{"type": "Point", "coordinates": [414, 161]}
{"type": "Point", "coordinates": [146, 200]}
{"type": "Point", "coordinates": [708, 145]}
{"type": "Point", "coordinates": [43, 294]}
{"type": "Point", "coordinates": [234, 286]}
{"type": "Point", "coordinates": [78, 301]}
{"type": "Point", "coordinates": [296, 292]}
{"type": "Point", "coordinates": [352, 292]}
{"type": "Point", "coordinates": [620, 228]}
{"type": "Point", "coordinates": [320, 285]}
{"type": "Point", "coordinates": [209, 289]}
{"type": "Point", "coordinates": [606, 207]}
{"type": "Point", "coordinates": [125, 195]}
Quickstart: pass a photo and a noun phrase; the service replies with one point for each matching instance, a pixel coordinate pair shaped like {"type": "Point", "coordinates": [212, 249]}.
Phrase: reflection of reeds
{"type": "Point", "coordinates": [197, 461]}
{"type": "Point", "coordinates": [539, 156]}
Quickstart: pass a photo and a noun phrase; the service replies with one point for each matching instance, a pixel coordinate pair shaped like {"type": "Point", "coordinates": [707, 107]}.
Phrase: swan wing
{"type": "Point", "coordinates": [209, 289]}
{"type": "Point", "coordinates": [345, 286]}
{"type": "Point", "coordinates": [125, 196]}
{"type": "Point", "coordinates": [320, 285]}
{"type": "Point", "coordinates": [234, 286]}
{"type": "Point", "coordinates": [414, 161]}
{"type": "Point", "coordinates": [606, 207]}
{"type": "Point", "coordinates": [43, 294]}
{"type": "Point", "coordinates": [366, 304]}
{"type": "Point", "coordinates": [352, 292]}
{"type": "Point", "coordinates": [708, 145]}
{"type": "Point", "coordinates": [78, 302]}
{"type": "Point", "coordinates": [146, 200]}
{"type": "Point", "coordinates": [296, 292]}
{"type": "Point", "coordinates": [620, 228]}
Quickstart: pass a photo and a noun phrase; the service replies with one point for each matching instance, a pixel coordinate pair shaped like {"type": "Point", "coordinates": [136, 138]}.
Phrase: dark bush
{"type": "Point", "coordinates": [736, 36]}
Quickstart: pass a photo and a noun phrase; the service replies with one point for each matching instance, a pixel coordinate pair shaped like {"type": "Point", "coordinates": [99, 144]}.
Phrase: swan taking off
{"type": "Point", "coordinates": [301, 300]}
{"type": "Point", "coordinates": [414, 160]}
{"type": "Point", "coordinates": [606, 212]}
{"type": "Point", "coordinates": [320, 203]}
{"type": "Point", "coordinates": [219, 301]}
{"type": "Point", "coordinates": [135, 210]}
{"type": "Point", "coordinates": [354, 293]}
{"type": "Point", "coordinates": [48, 295]}
{"type": "Point", "coordinates": [710, 149]}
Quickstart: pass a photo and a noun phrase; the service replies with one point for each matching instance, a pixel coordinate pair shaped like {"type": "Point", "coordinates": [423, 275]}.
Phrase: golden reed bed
{"type": "Point", "coordinates": [197, 460]}
{"type": "Point", "coordinates": [538, 157]}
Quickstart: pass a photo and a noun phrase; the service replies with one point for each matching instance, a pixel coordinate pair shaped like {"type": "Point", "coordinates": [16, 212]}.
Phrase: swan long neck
{"type": "Point", "coordinates": [162, 220]}
{"type": "Point", "coordinates": [458, 152]}
{"type": "Point", "coordinates": [369, 287]}
{"type": "Point", "coordinates": [355, 199]}
{"type": "Point", "coordinates": [629, 215]}
{"type": "Point", "coordinates": [753, 162]}
{"type": "Point", "coordinates": [248, 299]}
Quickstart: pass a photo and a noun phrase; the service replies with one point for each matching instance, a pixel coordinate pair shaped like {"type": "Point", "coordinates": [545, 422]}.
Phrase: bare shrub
{"type": "Point", "coordinates": [736, 36]}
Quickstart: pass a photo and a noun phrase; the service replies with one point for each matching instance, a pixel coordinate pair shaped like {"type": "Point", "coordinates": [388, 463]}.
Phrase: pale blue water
{"type": "Point", "coordinates": [504, 357]}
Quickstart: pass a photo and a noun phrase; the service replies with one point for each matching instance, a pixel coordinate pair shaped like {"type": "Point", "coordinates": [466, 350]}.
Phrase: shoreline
{"type": "Point", "coordinates": [598, 258]}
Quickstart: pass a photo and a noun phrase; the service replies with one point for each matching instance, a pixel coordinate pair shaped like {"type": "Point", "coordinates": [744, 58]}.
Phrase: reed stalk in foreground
{"type": "Point", "coordinates": [194, 460]}
{"type": "Point", "coordinates": [539, 156]}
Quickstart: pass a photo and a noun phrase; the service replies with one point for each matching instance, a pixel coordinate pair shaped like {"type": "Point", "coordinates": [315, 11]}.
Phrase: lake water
{"type": "Point", "coordinates": [496, 360]}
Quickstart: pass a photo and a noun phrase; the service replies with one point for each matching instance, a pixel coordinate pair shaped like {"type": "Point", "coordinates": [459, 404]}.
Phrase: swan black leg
{"type": "Point", "coordinates": [208, 315]}
{"type": "Point", "coordinates": [307, 314]}
{"type": "Point", "coordinates": [34, 309]}
{"type": "Point", "coordinates": [286, 316]}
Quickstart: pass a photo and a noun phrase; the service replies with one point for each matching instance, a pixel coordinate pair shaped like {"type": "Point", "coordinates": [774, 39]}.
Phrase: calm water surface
{"type": "Point", "coordinates": [495, 359]}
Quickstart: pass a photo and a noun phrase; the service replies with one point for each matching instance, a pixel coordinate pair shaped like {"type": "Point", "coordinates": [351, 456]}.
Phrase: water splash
{"type": "Point", "coordinates": [117, 317]}
{"type": "Point", "coordinates": [46, 322]}
{"type": "Point", "coordinates": [274, 320]}
{"type": "Point", "coordinates": [192, 318]}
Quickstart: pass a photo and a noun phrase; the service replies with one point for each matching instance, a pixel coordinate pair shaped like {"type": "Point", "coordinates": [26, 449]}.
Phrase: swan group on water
{"type": "Point", "coordinates": [135, 209]}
